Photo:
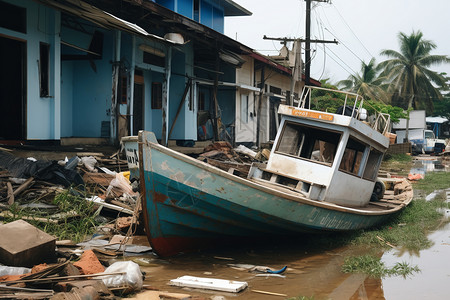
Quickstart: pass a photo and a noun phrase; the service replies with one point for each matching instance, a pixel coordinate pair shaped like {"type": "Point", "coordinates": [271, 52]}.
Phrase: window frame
{"type": "Point", "coordinates": [305, 153]}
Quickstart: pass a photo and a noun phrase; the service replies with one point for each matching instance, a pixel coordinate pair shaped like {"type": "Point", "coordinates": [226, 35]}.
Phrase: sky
{"type": "Point", "coordinates": [363, 29]}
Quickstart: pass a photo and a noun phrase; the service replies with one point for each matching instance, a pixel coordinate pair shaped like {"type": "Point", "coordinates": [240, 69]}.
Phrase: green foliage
{"type": "Point", "coordinates": [408, 71]}
{"type": "Point", "coordinates": [395, 112]}
{"type": "Point", "coordinates": [76, 225]}
{"type": "Point", "coordinates": [374, 267]}
{"type": "Point", "coordinates": [330, 102]}
{"type": "Point", "coordinates": [408, 230]}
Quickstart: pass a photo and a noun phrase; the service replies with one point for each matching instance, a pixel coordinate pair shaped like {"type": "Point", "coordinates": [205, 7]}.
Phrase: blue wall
{"type": "Point", "coordinates": [90, 92]}
{"type": "Point", "coordinates": [211, 14]}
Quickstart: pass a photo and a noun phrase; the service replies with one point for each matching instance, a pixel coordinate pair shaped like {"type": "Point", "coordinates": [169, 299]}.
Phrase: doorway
{"type": "Point", "coordinates": [138, 102]}
{"type": "Point", "coordinates": [13, 88]}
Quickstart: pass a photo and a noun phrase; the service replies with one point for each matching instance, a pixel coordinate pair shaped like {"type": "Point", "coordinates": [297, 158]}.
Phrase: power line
{"type": "Point", "coordinates": [352, 30]}
{"type": "Point", "coordinates": [351, 72]}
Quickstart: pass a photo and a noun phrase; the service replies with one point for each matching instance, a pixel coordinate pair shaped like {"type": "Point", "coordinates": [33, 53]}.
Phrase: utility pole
{"type": "Point", "coordinates": [308, 41]}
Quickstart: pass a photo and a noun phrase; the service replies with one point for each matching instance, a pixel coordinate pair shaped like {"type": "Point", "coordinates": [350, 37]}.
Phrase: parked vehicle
{"type": "Point", "coordinates": [321, 176]}
{"type": "Point", "coordinates": [422, 141]}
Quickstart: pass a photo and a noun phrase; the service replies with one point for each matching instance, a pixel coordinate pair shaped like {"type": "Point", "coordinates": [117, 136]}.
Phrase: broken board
{"type": "Point", "coordinates": [210, 283]}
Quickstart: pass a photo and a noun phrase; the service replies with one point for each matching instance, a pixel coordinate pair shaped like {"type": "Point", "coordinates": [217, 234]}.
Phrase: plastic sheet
{"type": "Point", "coordinates": [45, 170]}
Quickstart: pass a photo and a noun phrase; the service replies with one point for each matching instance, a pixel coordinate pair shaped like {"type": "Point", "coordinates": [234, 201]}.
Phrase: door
{"type": "Point", "coordinates": [138, 103]}
{"type": "Point", "coordinates": [246, 120]}
{"type": "Point", "coordinates": [13, 89]}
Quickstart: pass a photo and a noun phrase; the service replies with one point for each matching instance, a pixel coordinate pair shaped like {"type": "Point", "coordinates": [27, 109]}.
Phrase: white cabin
{"type": "Point", "coordinates": [325, 156]}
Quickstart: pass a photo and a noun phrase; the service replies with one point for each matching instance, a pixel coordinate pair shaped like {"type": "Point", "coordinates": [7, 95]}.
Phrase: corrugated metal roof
{"type": "Point", "coordinates": [99, 17]}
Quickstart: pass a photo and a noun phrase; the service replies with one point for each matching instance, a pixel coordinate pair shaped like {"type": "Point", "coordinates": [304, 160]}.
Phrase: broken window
{"type": "Point", "coordinates": [353, 154]}
{"type": "Point", "coordinates": [309, 143]}
{"type": "Point", "coordinates": [156, 95]}
{"type": "Point", "coordinates": [373, 164]}
{"type": "Point", "coordinates": [44, 68]}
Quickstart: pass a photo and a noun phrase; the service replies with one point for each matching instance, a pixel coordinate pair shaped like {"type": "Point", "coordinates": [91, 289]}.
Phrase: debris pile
{"type": "Point", "coordinates": [233, 160]}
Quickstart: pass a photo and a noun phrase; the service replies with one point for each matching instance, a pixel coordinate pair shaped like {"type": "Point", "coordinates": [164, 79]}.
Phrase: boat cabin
{"type": "Point", "coordinates": [332, 157]}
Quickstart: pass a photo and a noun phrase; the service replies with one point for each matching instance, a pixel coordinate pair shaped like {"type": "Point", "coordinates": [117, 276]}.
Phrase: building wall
{"type": "Point", "coordinates": [91, 90]}
{"type": "Point", "coordinates": [210, 14]}
{"type": "Point", "coordinates": [41, 112]}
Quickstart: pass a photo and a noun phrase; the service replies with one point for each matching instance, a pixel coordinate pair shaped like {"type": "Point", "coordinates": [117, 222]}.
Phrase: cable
{"type": "Point", "coordinates": [351, 72]}
{"type": "Point", "coordinates": [351, 30]}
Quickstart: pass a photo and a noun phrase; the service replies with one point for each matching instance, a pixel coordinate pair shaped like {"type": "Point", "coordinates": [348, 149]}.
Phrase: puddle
{"type": "Point", "coordinates": [425, 164]}
{"type": "Point", "coordinates": [434, 263]}
{"type": "Point", "coordinates": [316, 275]}
{"type": "Point", "coordinates": [311, 272]}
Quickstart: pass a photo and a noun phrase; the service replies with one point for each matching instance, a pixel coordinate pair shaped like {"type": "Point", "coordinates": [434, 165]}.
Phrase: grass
{"type": "Point", "coordinates": [397, 163]}
{"type": "Point", "coordinates": [72, 228]}
{"type": "Point", "coordinates": [433, 181]}
{"type": "Point", "coordinates": [374, 267]}
{"type": "Point", "coordinates": [407, 231]}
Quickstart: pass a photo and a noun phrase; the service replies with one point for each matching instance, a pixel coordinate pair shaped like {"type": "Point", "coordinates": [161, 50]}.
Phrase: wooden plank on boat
{"type": "Point", "coordinates": [384, 205]}
{"type": "Point", "coordinates": [209, 283]}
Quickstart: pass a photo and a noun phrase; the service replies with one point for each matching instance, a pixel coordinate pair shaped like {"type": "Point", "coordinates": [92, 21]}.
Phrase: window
{"type": "Point", "coordinates": [373, 164]}
{"type": "Point", "coordinates": [13, 17]}
{"type": "Point", "coordinates": [156, 95]}
{"type": "Point", "coordinates": [197, 10]}
{"type": "Point", "coordinates": [244, 109]}
{"type": "Point", "coordinates": [309, 142]}
{"type": "Point", "coordinates": [44, 61]}
{"type": "Point", "coordinates": [351, 160]}
{"type": "Point", "coordinates": [153, 59]}
{"type": "Point", "coordinates": [201, 101]}
{"type": "Point", "coordinates": [123, 89]}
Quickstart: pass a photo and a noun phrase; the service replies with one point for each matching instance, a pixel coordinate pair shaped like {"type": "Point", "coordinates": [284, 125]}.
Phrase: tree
{"type": "Point", "coordinates": [367, 84]}
{"type": "Point", "coordinates": [408, 72]}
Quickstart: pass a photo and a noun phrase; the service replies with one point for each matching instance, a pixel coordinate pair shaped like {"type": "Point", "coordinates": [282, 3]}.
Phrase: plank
{"type": "Point", "coordinates": [10, 193]}
{"type": "Point", "coordinates": [209, 283]}
{"type": "Point", "coordinates": [23, 186]}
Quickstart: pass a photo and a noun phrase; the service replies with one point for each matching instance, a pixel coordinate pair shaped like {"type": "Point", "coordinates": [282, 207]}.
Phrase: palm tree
{"type": "Point", "coordinates": [409, 74]}
{"type": "Point", "coordinates": [367, 84]}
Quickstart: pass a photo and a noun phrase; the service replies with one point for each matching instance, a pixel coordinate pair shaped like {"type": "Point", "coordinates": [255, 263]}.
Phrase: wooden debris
{"type": "Point", "coordinates": [24, 186]}
{"type": "Point", "coordinates": [269, 293]}
{"type": "Point", "coordinates": [157, 295]}
{"type": "Point", "coordinates": [10, 193]}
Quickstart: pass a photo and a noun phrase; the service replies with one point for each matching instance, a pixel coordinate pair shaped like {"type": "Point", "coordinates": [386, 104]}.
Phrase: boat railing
{"type": "Point", "coordinates": [353, 107]}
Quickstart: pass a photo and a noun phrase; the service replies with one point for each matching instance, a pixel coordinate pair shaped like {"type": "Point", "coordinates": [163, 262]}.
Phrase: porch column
{"type": "Point", "coordinates": [115, 82]}
{"type": "Point", "coordinates": [165, 98]}
{"type": "Point", "coordinates": [57, 77]}
{"type": "Point", "coordinates": [131, 95]}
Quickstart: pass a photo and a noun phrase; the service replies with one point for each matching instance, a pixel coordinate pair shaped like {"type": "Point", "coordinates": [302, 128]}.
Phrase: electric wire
{"type": "Point", "coordinates": [337, 10]}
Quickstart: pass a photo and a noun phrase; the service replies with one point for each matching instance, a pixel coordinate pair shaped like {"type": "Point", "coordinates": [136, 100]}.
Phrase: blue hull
{"type": "Point", "coordinates": [188, 204]}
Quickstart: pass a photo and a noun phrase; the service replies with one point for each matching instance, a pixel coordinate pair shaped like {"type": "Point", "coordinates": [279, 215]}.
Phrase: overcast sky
{"type": "Point", "coordinates": [363, 28]}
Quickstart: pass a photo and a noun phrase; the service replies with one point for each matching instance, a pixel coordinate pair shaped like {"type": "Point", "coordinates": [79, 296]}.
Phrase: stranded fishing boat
{"type": "Point", "coordinates": [321, 176]}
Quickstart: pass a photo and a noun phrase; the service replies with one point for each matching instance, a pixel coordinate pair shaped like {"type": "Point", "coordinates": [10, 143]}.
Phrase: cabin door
{"type": "Point", "coordinates": [246, 119]}
{"type": "Point", "coordinates": [13, 89]}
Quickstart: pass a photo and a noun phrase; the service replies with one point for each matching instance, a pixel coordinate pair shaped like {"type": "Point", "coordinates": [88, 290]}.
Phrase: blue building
{"type": "Point", "coordinates": [99, 70]}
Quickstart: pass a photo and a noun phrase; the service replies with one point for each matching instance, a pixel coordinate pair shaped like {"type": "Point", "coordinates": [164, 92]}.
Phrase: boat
{"type": "Point", "coordinates": [321, 176]}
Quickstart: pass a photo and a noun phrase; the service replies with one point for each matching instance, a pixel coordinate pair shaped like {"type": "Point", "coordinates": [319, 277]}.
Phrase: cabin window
{"type": "Point", "coordinates": [372, 166]}
{"type": "Point", "coordinates": [309, 143]}
{"type": "Point", "coordinates": [353, 154]}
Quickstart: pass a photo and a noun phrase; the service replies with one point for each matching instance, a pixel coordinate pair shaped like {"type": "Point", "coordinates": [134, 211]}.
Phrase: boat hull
{"type": "Point", "coordinates": [189, 204]}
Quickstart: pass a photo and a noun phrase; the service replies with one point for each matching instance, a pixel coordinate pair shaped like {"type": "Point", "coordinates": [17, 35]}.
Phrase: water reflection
{"type": "Point", "coordinates": [425, 164]}
{"type": "Point", "coordinates": [432, 281]}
